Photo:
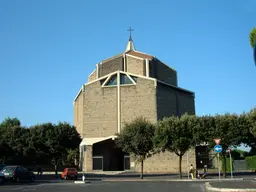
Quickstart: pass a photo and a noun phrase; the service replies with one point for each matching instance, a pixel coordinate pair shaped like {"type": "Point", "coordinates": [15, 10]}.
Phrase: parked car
{"type": "Point", "coordinates": [17, 173]}
{"type": "Point", "coordinates": [2, 166]}
{"type": "Point", "coordinates": [69, 173]}
{"type": "Point", "coordinates": [2, 178]}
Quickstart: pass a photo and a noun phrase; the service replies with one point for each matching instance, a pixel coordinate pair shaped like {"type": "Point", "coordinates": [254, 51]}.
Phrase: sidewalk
{"type": "Point", "coordinates": [163, 179]}
{"type": "Point", "coordinates": [229, 186]}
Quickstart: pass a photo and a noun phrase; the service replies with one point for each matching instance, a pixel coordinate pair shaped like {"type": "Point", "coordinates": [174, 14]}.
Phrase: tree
{"type": "Point", "coordinates": [252, 37]}
{"type": "Point", "coordinates": [228, 129]}
{"type": "Point", "coordinates": [252, 120]}
{"type": "Point", "coordinates": [175, 134]}
{"type": "Point", "coordinates": [10, 122]}
{"type": "Point", "coordinates": [71, 157]}
{"type": "Point", "coordinates": [137, 138]}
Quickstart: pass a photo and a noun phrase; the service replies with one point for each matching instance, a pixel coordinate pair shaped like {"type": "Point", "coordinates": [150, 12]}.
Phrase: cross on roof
{"type": "Point", "coordinates": [130, 29]}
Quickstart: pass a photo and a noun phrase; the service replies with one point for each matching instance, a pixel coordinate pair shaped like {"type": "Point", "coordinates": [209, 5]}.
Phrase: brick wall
{"type": "Point", "coordinates": [162, 72]}
{"type": "Point", "coordinates": [135, 66]}
{"type": "Point", "coordinates": [138, 101]}
{"type": "Point", "coordinates": [171, 101]}
{"type": "Point", "coordinates": [166, 101]}
{"type": "Point", "coordinates": [88, 158]}
{"type": "Point", "coordinates": [111, 66]}
{"type": "Point", "coordinates": [167, 162]}
{"type": "Point", "coordinates": [100, 111]}
{"type": "Point", "coordinates": [186, 103]}
{"type": "Point", "coordinates": [78, 114]}
{"type": "Point", "coordinates": [93, 76]}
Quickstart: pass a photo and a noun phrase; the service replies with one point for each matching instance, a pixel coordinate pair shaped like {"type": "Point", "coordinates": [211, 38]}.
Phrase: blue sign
{"type": "Point", "coordinates": [217, 148]}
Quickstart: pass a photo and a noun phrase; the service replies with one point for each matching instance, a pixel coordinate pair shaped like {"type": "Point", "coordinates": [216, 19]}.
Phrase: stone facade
{"type": "Point", "coordinates": [101, 108]}
{"type": "Point", "coordinates": [162, 72]}
{"type": "Point", "coordinates": [111, 65]}
{"type": "Point", "coordinates": [167, 162]}
{"type": "Point", "coordinates": [135, 66]}
{"type": "Point", "coordinates": [138, 100]}
{"type": "Point", "coordinates": [92, 76]}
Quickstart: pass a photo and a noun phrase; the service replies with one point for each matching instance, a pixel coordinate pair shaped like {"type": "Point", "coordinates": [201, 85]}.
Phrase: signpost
{"type": "Point", "coordinates": [231, 167]}
{"type": "Point", "coordinates": [218, 149]}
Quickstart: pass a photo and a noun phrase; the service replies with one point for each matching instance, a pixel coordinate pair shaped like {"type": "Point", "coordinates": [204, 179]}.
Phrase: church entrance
{"type": "Point", "coordinates": [107, 157]}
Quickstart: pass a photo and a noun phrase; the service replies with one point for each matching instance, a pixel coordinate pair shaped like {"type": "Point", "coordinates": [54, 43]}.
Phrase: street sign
{"type": "Point", "coordinates": [217, 141]}
{"type": "Point", "coordinates": [217, 148]}
{"type": "Point", "coordinates": [229, 150]}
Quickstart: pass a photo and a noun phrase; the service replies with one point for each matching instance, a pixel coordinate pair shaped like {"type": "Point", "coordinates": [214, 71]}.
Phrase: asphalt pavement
{"type": "Point", "coordinates": [99, 186]}
{"type": "Point", "coordinates": [234, 185]}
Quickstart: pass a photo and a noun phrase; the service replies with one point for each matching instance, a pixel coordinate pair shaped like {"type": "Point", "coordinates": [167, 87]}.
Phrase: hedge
{"type": "Point", "coordinates": [227, 165]}
{"type": "Point", "coordinates": [251, 162]}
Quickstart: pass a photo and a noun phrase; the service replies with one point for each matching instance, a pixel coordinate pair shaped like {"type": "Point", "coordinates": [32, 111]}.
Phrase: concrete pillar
{"type": "Point", "coordinates": [88, 158]}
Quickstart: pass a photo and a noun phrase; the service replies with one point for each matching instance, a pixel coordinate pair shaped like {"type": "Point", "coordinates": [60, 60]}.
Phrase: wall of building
{"type": "Point", "coordinates": [135, 66]}
{"type": "Point", "coordinates": [92, 76]}
{"type": "Point", "coordinates": [186, 103]}
{"type": "Point", "coordinates": [111, 65]}
{"type": "Point", "coordinates": [162, 72]}
{"type": "Point", "coordinates": [166, 101]}
{"type": "Point", "coordinates": [100, 110]}
{"type": "Point", "coordinates": [171, 101]}
{"type": "Point", "coordinates": [78, 114]}
{"type": "Point", "coordinates": [167, 162]}
{"type": "Point", "coordinates": [138, 101]}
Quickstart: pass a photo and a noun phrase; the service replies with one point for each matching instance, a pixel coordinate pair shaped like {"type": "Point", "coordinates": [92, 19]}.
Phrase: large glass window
{"type": "Point", "coordinates": [124, 79]}
{"type": "Point", "coordinates": [134, 78]}
{"type": "Point", "coordinates": [112, 81]}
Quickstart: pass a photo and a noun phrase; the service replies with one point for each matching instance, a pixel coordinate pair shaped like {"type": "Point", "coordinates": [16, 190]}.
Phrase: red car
{"type": "Point", "coordinates": [69, 173]}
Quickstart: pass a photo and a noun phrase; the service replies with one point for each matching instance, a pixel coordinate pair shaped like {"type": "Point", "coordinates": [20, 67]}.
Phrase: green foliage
{"type": "Point", "coordinates": [251, 162]}
{"type": "Point", "coordinates": [137, 138]}
{"type": "Point", "coordinates": [228, 168]}
{"type": "Point", "coordinates": [40, 144]}
{"type": "Point", "coordinates": [252, 37]}
{"type": "Point", "coordinates": [252, 120]}
{"type": "Point", "coordinates": [239, 154]}
{"type": "Point", "coordinates": [175, 134]}
{"type": "Point", "coordinates": [10, 122]}
{"type": "Point", "coordinates": [72, 157]}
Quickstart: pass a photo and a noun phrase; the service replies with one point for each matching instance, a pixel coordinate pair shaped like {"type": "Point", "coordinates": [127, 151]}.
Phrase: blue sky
{"type": "Point", "coordinates": [49, 47]}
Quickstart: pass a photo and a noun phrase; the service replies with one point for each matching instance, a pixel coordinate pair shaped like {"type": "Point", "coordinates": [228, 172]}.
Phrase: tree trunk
{"type": "Point", "coordinates": [180, 170]}
{"type": "Point", "coordinates": [141, 173]}
{"type": "Point", "coordinates": [56, 172]}
{"type": "Point", "coordinates": [224, 165]}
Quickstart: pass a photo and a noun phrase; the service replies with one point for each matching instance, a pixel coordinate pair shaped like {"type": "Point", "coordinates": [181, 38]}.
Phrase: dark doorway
{"type": "Point", "coordinates": [97, 163]}
{"type": "Point", "coordinates": [202, 157]}
{"type": "Point", "coordinates": [112, 157]}
{"type": "Point", "coordinates": [127, 163]}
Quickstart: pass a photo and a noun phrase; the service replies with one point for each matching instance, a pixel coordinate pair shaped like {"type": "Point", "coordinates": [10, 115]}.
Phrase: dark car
{"type": "Point", "coordinates": [17, 173]}
{"type": "Point", "coordinates": [2, 166]}
{"type": "Point", "coordinates": [2, 177]}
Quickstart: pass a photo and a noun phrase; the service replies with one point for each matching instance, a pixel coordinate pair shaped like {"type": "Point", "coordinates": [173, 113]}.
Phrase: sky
{"type": "Point", "coordinates": [48, 48]}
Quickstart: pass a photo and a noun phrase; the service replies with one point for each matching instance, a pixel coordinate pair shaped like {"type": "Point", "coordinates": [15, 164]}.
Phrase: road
{"type": "Point", "coordinates": [100, 186]}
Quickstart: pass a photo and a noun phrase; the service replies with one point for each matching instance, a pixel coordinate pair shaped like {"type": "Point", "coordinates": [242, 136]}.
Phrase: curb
{"type": "Point", "coordinates": [170, 180]}
{"type": "Point", "coordinates": [81, 182]}
{"type": "Point", "coordinates": [210, 188]}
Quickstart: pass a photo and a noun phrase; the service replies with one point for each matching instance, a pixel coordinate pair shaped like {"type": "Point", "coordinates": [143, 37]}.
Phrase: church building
{"type": "Point", "coordinates": [118, 90]}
